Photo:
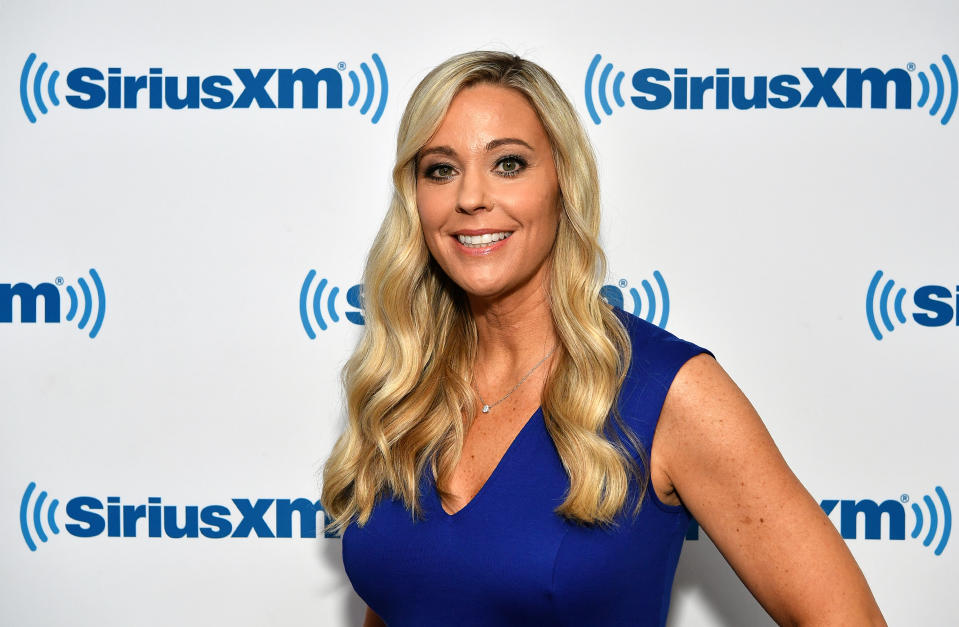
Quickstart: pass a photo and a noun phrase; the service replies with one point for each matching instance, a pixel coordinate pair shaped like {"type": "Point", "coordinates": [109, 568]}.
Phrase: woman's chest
{"type": "Point", "coordinates": [506, 557]}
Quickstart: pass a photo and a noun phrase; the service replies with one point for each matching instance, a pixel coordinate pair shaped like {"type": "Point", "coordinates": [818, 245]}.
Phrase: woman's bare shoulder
{"type": "Point", "coordinates": [715, 454]}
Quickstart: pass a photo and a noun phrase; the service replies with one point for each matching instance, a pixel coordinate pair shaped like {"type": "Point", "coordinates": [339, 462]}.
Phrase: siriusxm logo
{"type": "Point", "coordinates": [929, 522]}
{"type": "Point", "coordinates": [264, 88]}
{"type": "Point", "coordinates": [312, 302]}
{"type": "Point", "coordinates": [935, 310]}
{"type": "Point", "coordinates": [320, 308]}
{"type": "Point", "coordinates": [656, 88]}
{"type": "Point", "coordinates": [646, 309]}
{"type": "Point", "coordinates": [88, 517]}
{"type": "Point", "coordinates": [894, 511]}
{"type": "Point", "coordinates": [28, 297]}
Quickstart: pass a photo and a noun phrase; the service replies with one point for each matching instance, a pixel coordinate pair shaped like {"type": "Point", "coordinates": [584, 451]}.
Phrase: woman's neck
{"type": "Point", "coordinates": [513, 333]}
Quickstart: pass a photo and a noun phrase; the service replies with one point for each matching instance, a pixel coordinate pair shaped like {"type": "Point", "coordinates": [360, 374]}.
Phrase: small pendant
{"type": "Point", "coordinates": [485, 409]}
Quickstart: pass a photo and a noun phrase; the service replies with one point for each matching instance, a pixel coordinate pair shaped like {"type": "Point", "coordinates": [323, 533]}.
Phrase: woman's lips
{"type": "Point", "coordinates": [481, 239]}
{"type": "Point", "coordinates": [481, 243]}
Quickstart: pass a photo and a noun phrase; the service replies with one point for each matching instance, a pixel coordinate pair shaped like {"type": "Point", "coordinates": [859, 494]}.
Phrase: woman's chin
{"type": "Point", "coordinates": [483, 291]}
{"type": "Point", "coordinates": [498, 292]}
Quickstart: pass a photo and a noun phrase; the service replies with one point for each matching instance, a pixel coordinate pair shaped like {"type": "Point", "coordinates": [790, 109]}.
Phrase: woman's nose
{"type": "Point", "coordinates": [473, 194]}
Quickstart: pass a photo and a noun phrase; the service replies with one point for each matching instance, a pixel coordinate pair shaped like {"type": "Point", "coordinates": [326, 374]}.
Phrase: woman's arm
{"type": "Point", "coordinates": [372, 620]}
{"type": "Point", "coordinates": [725, 468]}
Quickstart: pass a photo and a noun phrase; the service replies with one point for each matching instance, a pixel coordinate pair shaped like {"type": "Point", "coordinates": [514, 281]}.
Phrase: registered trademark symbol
{"type": "Point", "coordinates": [622, 283]}
{"type": "Point", "coordinates": [341, 66]}
{"type": "Point", "coordinates": [59, 280]}
{"type": "Point", "coordinates": [904, 498]}
{"type": "Point", "coordinates": [910, 66]}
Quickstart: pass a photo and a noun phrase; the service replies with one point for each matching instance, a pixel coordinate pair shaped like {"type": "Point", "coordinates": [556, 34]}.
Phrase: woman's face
{"type": "Point", "coordinates": [487, 193]}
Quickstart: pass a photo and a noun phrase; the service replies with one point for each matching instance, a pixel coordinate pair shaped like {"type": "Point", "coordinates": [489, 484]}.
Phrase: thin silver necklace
{"type": "Point", "coordinates": [487, 406]}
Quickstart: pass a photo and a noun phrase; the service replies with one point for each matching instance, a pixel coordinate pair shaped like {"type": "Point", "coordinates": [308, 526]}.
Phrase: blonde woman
{"type": "Point", "coordinates": [519, 452]}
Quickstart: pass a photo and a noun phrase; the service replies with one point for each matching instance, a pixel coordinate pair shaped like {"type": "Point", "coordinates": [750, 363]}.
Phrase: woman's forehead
{"type": "Point", "coordinates": [481, 114]}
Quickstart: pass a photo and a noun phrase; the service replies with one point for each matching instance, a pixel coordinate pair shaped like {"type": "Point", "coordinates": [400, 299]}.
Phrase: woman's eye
{"type": "Point", "coordinates": [440, 171]}
{"type": "Point", "coordinates": [509, 166]}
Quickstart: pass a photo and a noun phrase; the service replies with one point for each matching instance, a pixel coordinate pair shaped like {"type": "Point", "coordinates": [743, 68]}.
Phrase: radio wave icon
{"type": "Point", "coordinates": [883, 304]}
{"type": "Point", "coordinates": [602, 88]}
{"type": "Point", "coordinates": [642, 308]}
{"type": "Point", "coordinates": [940, 90]}
{"type": "Point", "coordinates": [86, 299]}
{"type": "Point", "coordinates": [934, 520]}
{"type": "Point", "coordinates": [370, 88]}
{"type": "Point", "coordinates": [37, 517]}
{"type": "Point", "coordinates": [315, 304]}
{"type": "Point", "coordinates": [37, 92]}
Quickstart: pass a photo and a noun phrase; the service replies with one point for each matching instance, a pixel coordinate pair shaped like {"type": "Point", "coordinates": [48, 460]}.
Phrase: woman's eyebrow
{"type": "Point", "coordinates": [496, 143]}
{"type": "Point", "coordinates": [442, 150]}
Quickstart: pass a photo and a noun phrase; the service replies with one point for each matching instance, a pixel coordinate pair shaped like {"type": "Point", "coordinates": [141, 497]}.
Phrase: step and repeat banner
{"type": "Point", "coordinates": [188, 192]}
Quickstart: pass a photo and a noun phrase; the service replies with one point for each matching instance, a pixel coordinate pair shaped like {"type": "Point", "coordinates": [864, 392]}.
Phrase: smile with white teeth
{"type": "Point", "coordinates": [478, 241]}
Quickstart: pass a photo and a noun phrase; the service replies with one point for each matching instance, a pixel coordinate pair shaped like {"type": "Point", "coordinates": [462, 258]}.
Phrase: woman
{"type": "Point", "coordinates": [518, 452]}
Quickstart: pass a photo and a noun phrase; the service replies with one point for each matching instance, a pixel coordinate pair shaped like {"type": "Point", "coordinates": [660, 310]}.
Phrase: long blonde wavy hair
{"type": "Point", "coordinates": [409, 392]}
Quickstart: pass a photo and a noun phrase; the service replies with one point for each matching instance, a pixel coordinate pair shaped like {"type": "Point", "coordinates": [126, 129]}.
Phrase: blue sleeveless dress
{"type": "Point", "coordinates": [506, 558]}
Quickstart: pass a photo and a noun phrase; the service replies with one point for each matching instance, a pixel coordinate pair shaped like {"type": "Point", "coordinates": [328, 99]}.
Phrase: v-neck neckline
{"type": "Point", "coordinates": [489, 480]}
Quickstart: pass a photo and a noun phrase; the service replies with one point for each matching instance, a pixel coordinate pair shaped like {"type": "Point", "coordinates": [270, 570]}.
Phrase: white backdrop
{"type": "Point", "coordinates": [201, 384]}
